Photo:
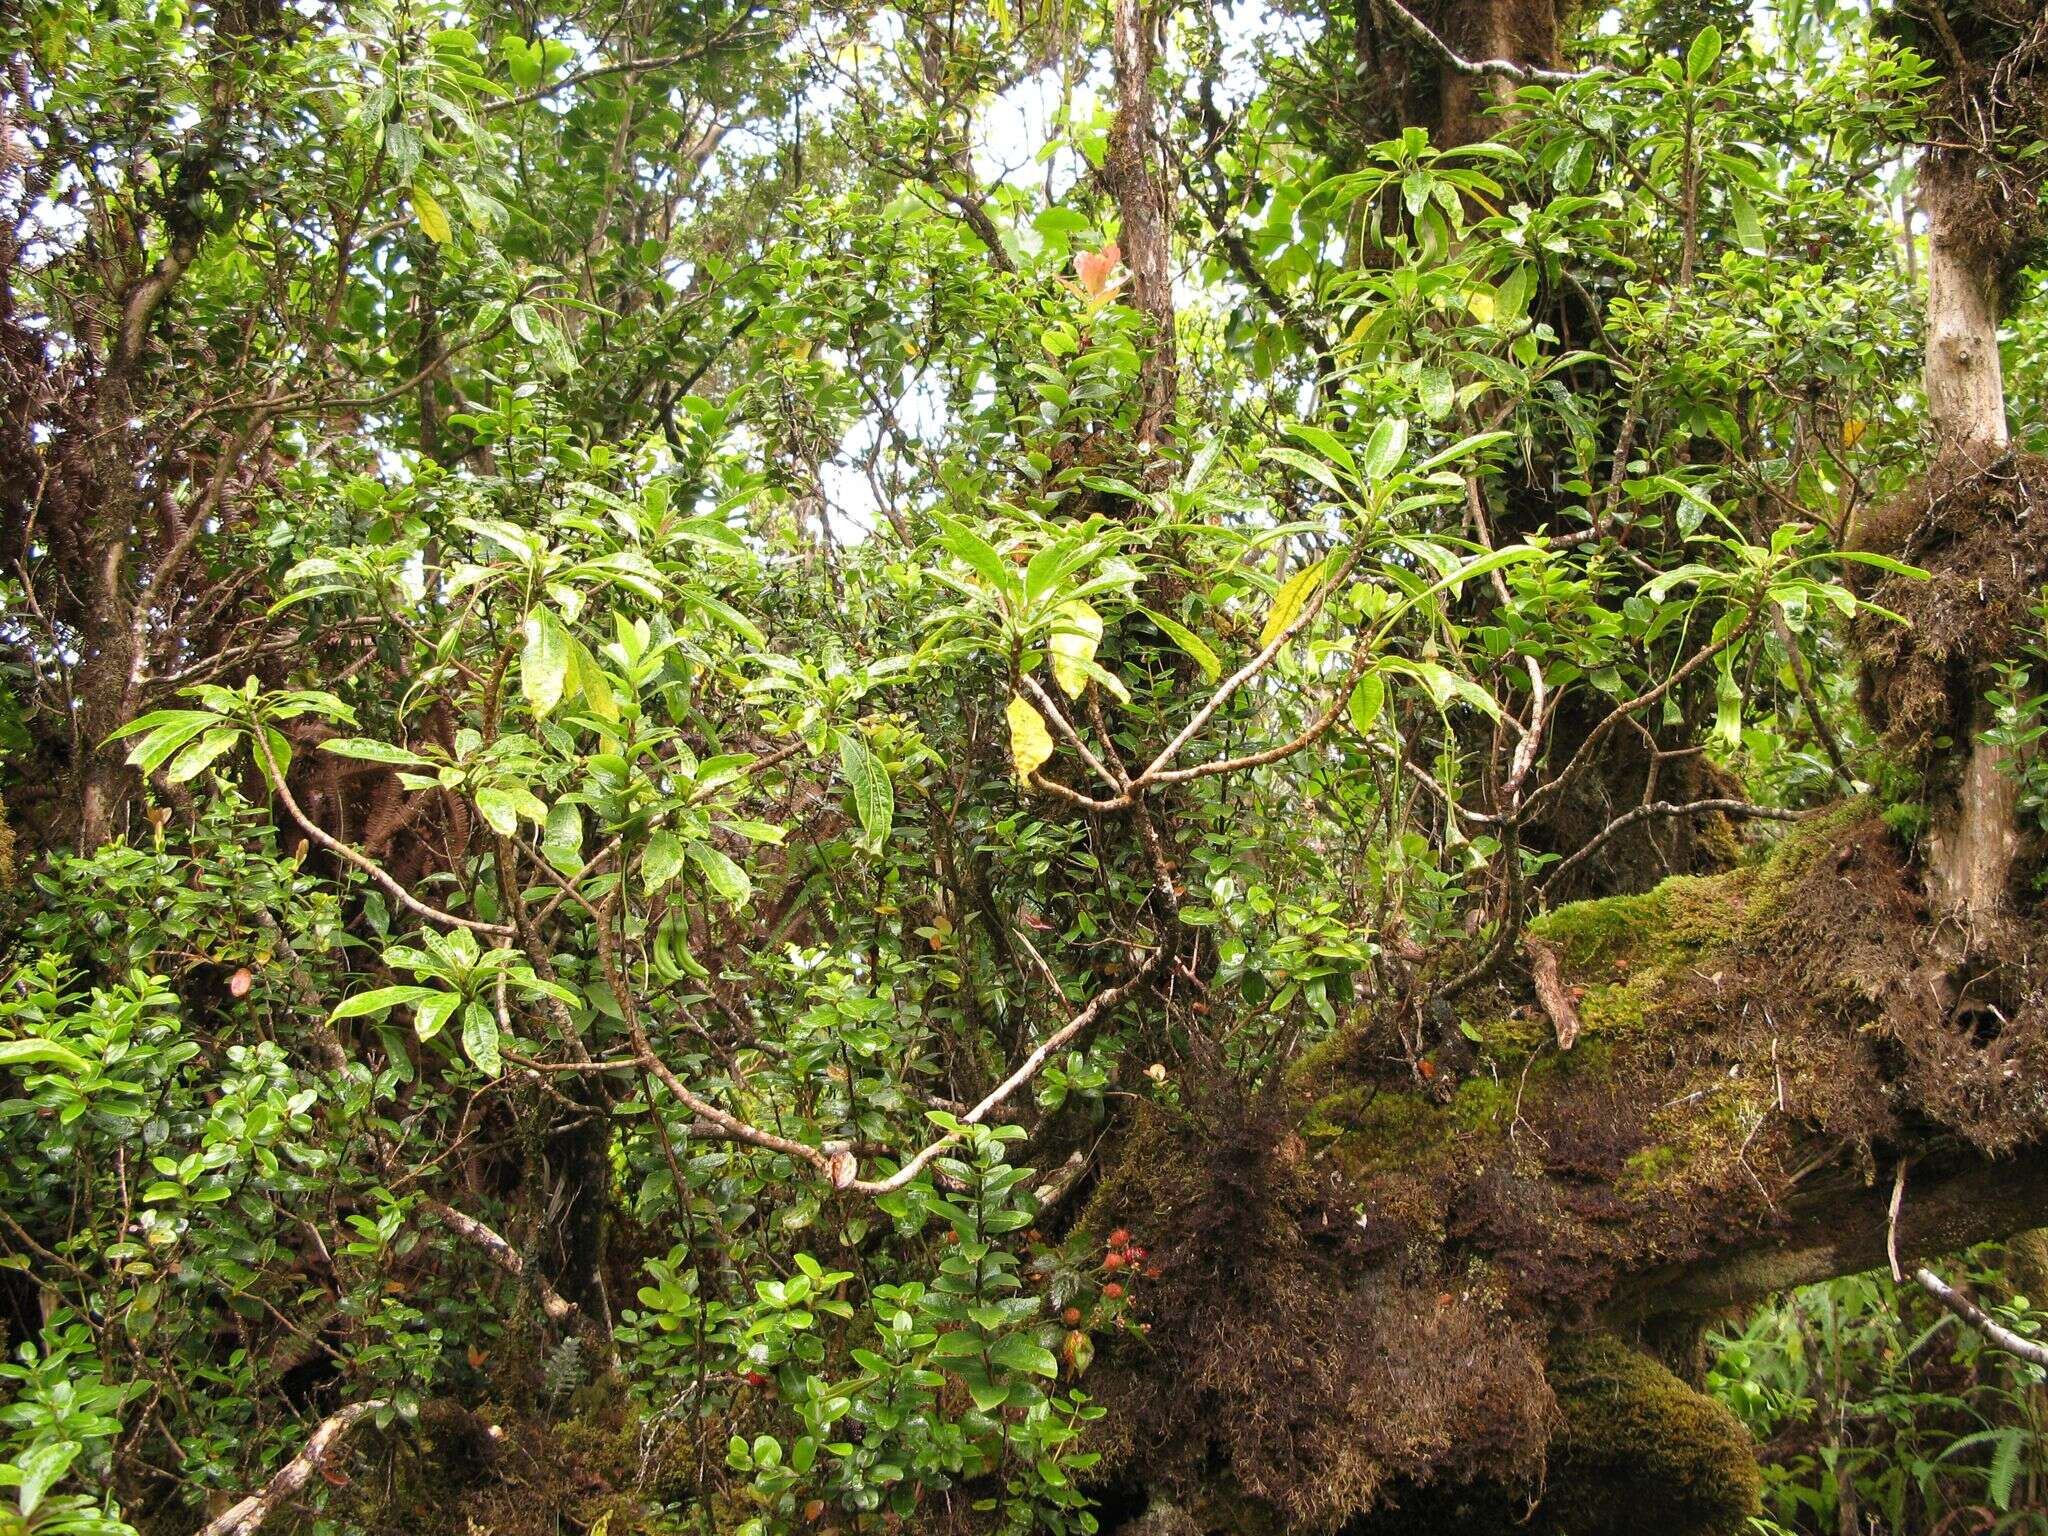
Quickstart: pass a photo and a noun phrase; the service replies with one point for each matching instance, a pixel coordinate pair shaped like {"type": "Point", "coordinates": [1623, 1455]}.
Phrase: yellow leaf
{"type": "Point", "coordinates": [1288, 602]}
{"type": "Point", "coordinates": [1852, 431]}
{"type": "Point", "coordinates": [1077, 633]}
{"type": "Point", "coordinates": [1030, 741]}
{"type": "Point", "coordinates": [433, 218]}
{"type": "Point", "coordinates": [1480, 303]}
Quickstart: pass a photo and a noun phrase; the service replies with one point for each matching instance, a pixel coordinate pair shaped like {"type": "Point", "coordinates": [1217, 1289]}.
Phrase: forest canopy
{"type": "Point", "coordinates": [986, 766]}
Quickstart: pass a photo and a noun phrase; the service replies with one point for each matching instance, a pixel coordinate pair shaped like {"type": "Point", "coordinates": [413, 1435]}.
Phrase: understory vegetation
{"type": "Point", "coordinates": [978, 766]}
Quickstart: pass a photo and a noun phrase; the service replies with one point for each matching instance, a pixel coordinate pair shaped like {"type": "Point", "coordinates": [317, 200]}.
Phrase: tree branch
{"type": "Point", "coordinates": [1738, 808]}
{"type": "Point", "coordinates": [2027, 1349]}
{"type": "Point", "coordinates": [250, 1513]}
{"type": "Point", "coordinates": [1498, 69]}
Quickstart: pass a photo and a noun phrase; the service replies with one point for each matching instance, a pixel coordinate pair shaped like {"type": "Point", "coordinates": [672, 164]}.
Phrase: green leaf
{"type": "Point", "coordinates": [1384, 448]}
{"type": "Point", "coordinates": [662, 861]}
{"type": "Point", "coordinates": [480, 1039]}
{"type": "Point", "coordinates": [544, 661]}
{"type": "Point", "coordinates": [1749, 231]}
{"type": "Point", "coordinates": [501, 807]}
{"type": "Point", "coordinates": [1325, 443]}
{"type": "Point", "coordinates": [1288, 602]}
{"type": "Point", "coordinates": [1190, 642]}
{"type": "Point", "coordinates": [562, 841]}
{"type": "Point", "coordinates": [591, 681]}
{"type": "Point", "coordinates": [168, 730]}
{"type": "Point", "coordinates": [375, 752]}
{"type": "Point", "coordinates": [197, 757]}
{"type": "Point", "coordinates": [1367, 700]}
{"type": "Point", "coordinates": [1018, 1352]}
{"type": "Point", "coordinates": [874, 796]}
{"type": "Point", "coordinates": [432, 1013]}
{"type": "Point", "coordinates": [726, 878]}
{"type": "Point", "coordinates": [973, 551]}
{"type": "Point", "coordinates": [1704, 54]}
{"type": "Point", "coordinates": [1077, 631]}
{"type": "Point", "coordinates": [39, 1468]}
{"type": "Point", "coordinates": [381, 1000]}
{"type": "Point", "coordinates": [20, 1053]}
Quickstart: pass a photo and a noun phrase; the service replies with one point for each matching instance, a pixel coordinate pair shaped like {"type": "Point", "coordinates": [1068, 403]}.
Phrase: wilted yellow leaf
{"type": "Point", "coordinates": [1288, 601]}
{"type": "Point", "coordinates": [1073, 645]}
{"type": "Point", "coordinates": [1030, 741]}
{"type": "Point", "coordinates": [1853, 430]}
{"type": "Point", "coordinates": [433, 218]}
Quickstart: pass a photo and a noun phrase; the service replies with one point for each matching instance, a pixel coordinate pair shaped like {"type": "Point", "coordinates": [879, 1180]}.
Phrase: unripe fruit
{"type": "Point", "coordinates": [1071, 1316]}
{"type": "Point", "coordinates": [1113, 1291]}
{"type": "Point", "coordinates": [1118, 1238]}
{"type": "Point", "coordinates": [1114, 1261]}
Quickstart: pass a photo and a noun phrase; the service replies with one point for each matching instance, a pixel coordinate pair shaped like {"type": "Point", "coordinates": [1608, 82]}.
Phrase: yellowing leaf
{"type": "Point", "coordinates": [1073, 645]}
{"type": "Point", "coordinates": [1480, 303]}
{"type": "Point", "coordinates": [1030, 741]}
{"type": "Point", "coordinates": [1853, 430]}
{"type": "Point", "coordinates": [1288, 602]}
{"type": "Point", "coordinates": [433, 218]}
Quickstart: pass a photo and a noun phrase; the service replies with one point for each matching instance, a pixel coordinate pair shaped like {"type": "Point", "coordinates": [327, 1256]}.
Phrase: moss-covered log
{"type": "Point", "coordinates": [1389, 1288]}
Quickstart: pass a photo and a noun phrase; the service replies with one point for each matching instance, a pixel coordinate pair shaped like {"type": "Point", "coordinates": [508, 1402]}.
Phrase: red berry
{"type": "Point", "coordinates": [1135, 1255]}
{"type": "Point", "coordinates": [1071, 1316]}
{"type": "Point", "coordinates": [1113, 1291]}
{"type": "Point", "coordinates": [1118, 1238]}
{"type": "Point", "coordinates": [756, 1379]}
{"type": "Point", "coordinates": [1114, 1261]}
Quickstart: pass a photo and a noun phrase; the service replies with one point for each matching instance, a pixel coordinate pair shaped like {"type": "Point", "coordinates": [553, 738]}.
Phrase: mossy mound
{"type": "Point", "coordinates": [1635, 1439]}
{"type": "Point", "coordinates": [1636, 1449]}
{"type": "Point", "coordinates": [1358, 1275]}
{"type": "Point", "coordinates": [1286, 1359]}
{"type": "Point", "coordinates": [1981, 534]}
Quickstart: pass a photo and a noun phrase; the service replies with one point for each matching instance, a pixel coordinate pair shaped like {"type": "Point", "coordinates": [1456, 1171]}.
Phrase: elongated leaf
{"type": "Point", "coordinates": [379, 1000]}
{"type": "Point", "coordinates": [1077, 633]}
{"type": "Point", "coordinates": [1384, 448]}
{"type": "Point", "coordinates": [973, 551]}
{"type": "Point", "coordinates": [722, 875]}
{"type": "Point", "coordinates": [172, 728]}
{"type": "Point", "coordinates": [562, 841]}
{"type": "Point", "coordinates": [21, 1053]}
{"type": "Point", "coordinates": [480, 1039]}
{"type": "Point", "coordinates": [1190, 642]}
{"type": "Point", "coordinates": [199, 755]}
{"type": "Point", "coordinates": [431, 1014]}
{"type": "Point", "coordinates": [1367, 700]}
{"type": "Point", "coordinates": [432, 216]}
{"type": "Point", "coordinates": [874, 796]}
{"type": "Point", "coordinates": [544, 661]}
{"type": "Point", "coordinates": [375, 752]}
{"type": "Point", "coordinates": [591, 682]}
{"type": "Point", "coordinates": [1030, 741]}
{"type": "Point", "coordinates": [1288, 602]}
{"type": "Point", "coordinates": [662, 861]}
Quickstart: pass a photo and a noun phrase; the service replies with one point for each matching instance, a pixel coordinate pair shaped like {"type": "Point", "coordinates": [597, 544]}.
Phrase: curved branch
{"type": "Point", "coordinates": [247, 1516]}
{"type": "Point", "coordinates": [1498, 69]}
{"type": "Point", "coordinates": [2030, 1350]}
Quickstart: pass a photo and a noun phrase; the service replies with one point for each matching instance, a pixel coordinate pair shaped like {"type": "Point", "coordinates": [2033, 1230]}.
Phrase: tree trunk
{"type": "Point", "coordinates": [1135, 178]}
{"type": "Point", "coordinates": [1973, 837]}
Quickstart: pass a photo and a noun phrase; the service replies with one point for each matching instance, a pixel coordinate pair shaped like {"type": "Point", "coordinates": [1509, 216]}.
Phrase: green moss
{"type": "Point", "coordinates": [1482, 1104]}
{"type": "Point", "coordinates": [1592, 933]}
{"type": "Point", "coordinates": [1640, 1450]}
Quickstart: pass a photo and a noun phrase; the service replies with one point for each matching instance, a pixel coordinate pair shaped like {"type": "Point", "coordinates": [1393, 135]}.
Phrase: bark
{"type": "Point", "coordinates": [1135, 175]}
{"type": "Point", "coordinates": [1973, 837]}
